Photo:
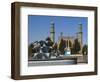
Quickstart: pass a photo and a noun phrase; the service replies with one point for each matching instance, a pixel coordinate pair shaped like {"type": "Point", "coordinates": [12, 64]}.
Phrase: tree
{"type": "Point", "coordinates": [70, 44]}
{"type": "Point", "coordinates": [30, 49]}
{"type": "Point", "coordinates": [41, 42]}
{"type": "Point", "coordinates": [55, 46]}
{"type": "Point", "coordinates": [85, 49]}
{"type": "Point", "coordinates": [49, 42]}
{"type": "Point", "coordinates": [62, 46]}
{"type": "Point", "coordinates": [76, 46]}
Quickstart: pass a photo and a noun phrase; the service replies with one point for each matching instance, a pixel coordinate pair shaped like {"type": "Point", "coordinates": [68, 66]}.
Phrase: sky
{"type": "Point", "coordinates": [39, 27]}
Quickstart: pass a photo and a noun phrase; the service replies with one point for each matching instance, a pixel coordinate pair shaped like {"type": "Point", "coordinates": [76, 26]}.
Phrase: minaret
{"type": "Point", "coordinates": [79, 35]}
{"type": "Point", "coordinates": [52, 32]}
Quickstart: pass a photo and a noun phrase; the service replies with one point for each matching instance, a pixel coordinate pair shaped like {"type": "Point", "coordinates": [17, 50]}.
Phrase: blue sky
{"type": "Point", "coordinates": [39, 27]}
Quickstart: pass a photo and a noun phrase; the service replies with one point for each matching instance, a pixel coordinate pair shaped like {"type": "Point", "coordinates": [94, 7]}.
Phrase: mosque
{"type": "Point", "coordinates": [69, 39]}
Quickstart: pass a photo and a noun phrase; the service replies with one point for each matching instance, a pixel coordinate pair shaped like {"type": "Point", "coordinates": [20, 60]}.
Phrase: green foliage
{"type": "Point", "coordinates": [62, 46]}
{"type": "Point", "coordinates": [70, 44]}
{"type": "Point", "coordinates": [85, 49]}
{"type": "Point", "coordinates": [30, 50]}
{"type": "Point", "coordinates": [76, 46]}
{"type": "Point", "coordinates": [49, 42]}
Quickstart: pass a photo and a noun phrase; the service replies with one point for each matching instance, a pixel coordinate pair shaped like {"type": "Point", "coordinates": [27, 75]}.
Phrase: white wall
{"type": "Point", "coordinates": [5, 40]}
